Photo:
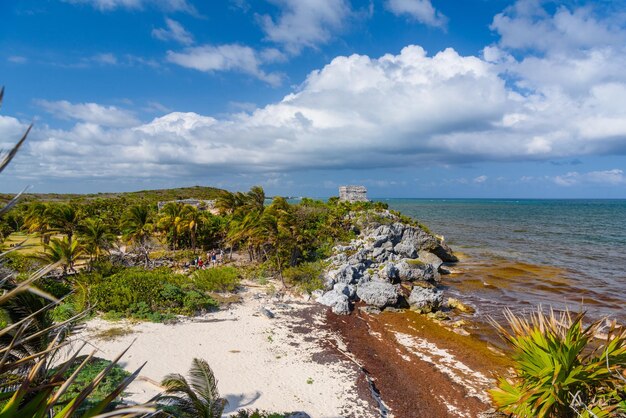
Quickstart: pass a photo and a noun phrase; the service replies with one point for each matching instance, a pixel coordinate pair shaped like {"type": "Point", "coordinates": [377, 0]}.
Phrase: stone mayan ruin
{"type": "Point", "coordinates": [353, 194]}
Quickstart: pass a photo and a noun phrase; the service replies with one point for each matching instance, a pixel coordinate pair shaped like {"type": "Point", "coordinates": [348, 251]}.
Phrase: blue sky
{"type": "Point", "coordinates": [412, 98]}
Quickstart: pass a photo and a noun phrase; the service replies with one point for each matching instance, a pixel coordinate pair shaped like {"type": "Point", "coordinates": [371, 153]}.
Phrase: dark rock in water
{"type": "Point", "coordinates": [425, 299]}
{"type": "Point", "coordinates": [445, 253]}
{"type": "Point", "coordinates": [267, 312]}
{"type": "Point", "coordinates": [379, 294]}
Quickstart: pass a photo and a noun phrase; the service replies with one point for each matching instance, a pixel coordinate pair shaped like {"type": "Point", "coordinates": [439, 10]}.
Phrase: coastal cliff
{"type": "Point", "coordinates": [393, 262]}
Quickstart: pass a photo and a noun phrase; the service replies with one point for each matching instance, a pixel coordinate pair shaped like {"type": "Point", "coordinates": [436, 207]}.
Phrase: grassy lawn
{"type": "Point", "coordinates": [31, 245]}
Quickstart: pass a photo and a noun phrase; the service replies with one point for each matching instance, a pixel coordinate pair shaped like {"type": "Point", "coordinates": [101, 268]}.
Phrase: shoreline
{"type": "Point", "coordinates": [307, 359]}
{"type": "Point", "coordinates": [282, 364]}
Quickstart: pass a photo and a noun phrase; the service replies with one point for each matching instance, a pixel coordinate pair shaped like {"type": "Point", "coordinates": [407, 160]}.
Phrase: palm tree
{"type": "Point", "coordinates": [95, 237]}
{"type": "Point", "coordinates": [37, 221]}
{"type": "Point", "coordinates": [63, 219]}
{"type": "Point", "coordinates": [62, 251]}
{"type": "Point", "coordinates": [255, 199]}
{"type": "Point", "coordinates": [171, 222]}
{"type": "Point", "coordinates": [191, 218]}
{"type": "Point", "coordinates": [196, 398]}
{"type": "Point", "coordinates": [137, 226]}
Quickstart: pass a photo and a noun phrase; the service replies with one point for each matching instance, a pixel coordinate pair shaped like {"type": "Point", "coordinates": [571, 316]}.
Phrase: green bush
{"type": "Point", "coordinates": [21, 263]}
{"type": "Point", "coordinates": [216, 279]}
{"type": "Point", "coordinates": [561, 370]}
{"type": "Point", "coordinates": [306, 276]}
{"type": "Point", "coordinates": [63, 312]}
{"type": "Point", "coordinates": [87, 375]}
{"type": "Point", "coordinates": [155, 295]}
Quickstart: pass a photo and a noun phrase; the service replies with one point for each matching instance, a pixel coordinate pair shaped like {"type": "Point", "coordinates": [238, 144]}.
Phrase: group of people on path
{"type": "Point", "coordinates": [213, 258]}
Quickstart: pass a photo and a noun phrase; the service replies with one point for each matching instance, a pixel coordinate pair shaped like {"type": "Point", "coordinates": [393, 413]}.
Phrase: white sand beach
{"type": "Point", "coordinates": [282, 364]}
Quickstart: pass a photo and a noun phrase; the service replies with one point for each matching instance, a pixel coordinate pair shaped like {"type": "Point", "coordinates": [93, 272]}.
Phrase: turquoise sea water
{"type": "Point", "coordinates": [522, 253]}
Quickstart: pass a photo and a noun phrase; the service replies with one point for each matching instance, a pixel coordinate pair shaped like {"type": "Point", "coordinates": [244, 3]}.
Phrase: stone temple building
{"type": "Point", "coordinates": [353, 194]}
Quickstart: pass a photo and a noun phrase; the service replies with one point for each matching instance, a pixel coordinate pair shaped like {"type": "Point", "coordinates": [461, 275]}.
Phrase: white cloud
{"type": "Point", "coordinates": [230, 57]}
{"type": "Point", "coordinates": [420, 10]}
{"type": "Point", "coordinates": [305, 23]}
{"type": "Point", "coordinates": [109, 116]}
{"type": "Point", "coordinates": [104, 58]}
{"type": "Point", "coordinates": [360, 112]}
{"type": "Point", "coordinates": [17, 59]}
{"type": "Point", "coordinates": [165, 5]}
{"type": "Point", "coordinates": [613, 177]}
{"type": "Point", "coordinates": [174, 32]}
{"type": "Point", "coordinates": [480, 179]}
{"type": "Point", "coordinates": [527, 25]}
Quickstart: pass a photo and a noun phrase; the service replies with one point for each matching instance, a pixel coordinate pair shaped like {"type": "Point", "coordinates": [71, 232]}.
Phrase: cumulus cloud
{"type": "Point", "coordinates": [229, 57]}
{"type": "Point", "coordinates": [613, 177]}
{"type": "Point", "coordinates": [174, 32]}
{"type": "Point", "coordinates": [359, 112]}
{"type": "Point", "coordinates": [108, 116]}
{"type": "Point", "coordinates": [420, 10]}
{"type": "Point", "coordinates": [165, 5]}
{"type": "Point", "coordinates": [305, 23]}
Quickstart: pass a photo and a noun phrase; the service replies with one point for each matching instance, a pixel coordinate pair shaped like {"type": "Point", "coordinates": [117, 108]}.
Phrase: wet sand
{"type": "Point", "coordinates": [420, 368]}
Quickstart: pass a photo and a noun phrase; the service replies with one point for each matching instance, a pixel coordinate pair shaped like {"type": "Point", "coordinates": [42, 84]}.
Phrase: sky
{"type": "Point", "coordinates": [410, 98]}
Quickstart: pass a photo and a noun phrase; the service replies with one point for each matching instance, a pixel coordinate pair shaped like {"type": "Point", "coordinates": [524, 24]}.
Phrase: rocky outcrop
{"type": "Point", "coordinates": [389, 264]}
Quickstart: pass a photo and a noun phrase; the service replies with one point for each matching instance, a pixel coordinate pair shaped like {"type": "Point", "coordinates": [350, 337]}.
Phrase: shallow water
{"type": "Point", "coordinates": [524, 253]}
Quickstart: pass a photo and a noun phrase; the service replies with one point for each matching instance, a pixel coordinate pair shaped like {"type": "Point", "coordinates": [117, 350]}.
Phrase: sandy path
{"type": "Point", "coordinates": [281, 364]}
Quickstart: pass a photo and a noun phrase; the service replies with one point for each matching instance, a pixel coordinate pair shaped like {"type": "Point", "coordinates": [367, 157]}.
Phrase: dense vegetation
{"type": "Point", "coordinates": [563, 368]}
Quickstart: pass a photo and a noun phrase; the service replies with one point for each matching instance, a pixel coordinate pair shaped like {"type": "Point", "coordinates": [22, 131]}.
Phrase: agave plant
{"type": "Point", "coordinates": [562, 369]}
{"type": "Point", "coordinates": [194, 398]}
{"type": "Point", "coordinates": [29, 342]}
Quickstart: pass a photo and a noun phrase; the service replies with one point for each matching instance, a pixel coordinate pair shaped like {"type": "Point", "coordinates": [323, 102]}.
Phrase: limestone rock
{"type": "Point", "coordinates": [379, 294]}
{"type": "Point", "coordinates": [425, 299]}
{"type": "Point", "coordinates": [415, 269]}
{"type": "Point", "coordinates": [338, 302]}
{"type": "Point", "coordinates": [429, 258]}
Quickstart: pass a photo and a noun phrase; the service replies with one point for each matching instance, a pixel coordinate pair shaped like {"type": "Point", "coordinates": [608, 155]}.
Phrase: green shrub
{"type": "Point", "coordinates": [63, 312]}
{"type": "Point", "coordinates": [306, 276]}
{"type": "Point", "coordinates": [195, 301]}
{"type": "Point", "coordinates": [561, 371]}
{"type": "Point", "coordinates": [87, 375]}
{"type": "Point", "coordinates": [155, 296]}
{"type": "Point", "coordinates": [21, 263]}
{"type": "Point", "coordinates": [216, 279]}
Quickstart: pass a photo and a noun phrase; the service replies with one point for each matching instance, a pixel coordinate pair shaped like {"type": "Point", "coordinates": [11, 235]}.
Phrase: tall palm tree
{"type": "Point", "coordinates": [191, 218]}
{"type": "Point", "coordinates": [197, 397]}
{"type": "Point", "coordinates": [95, 237]}
{"type": "Point", "coordinates": [64, 251]}
{"type": "Point", "coordinates": [64, 219]}
{"type": "Point", "coordinates": [137, 226]}
{"type": "Point", "coordinates": [37, 221]}
{"type": "Point", "coordinates": [255, 199]}
{"type": "Point", "coordinates": [171, 222]}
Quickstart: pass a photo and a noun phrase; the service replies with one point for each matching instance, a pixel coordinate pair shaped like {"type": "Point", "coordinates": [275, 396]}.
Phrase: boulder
{"type": "Point", "coordinates": [425, 299]}
{"type": "Point", "coordinates": [445, 253]}
{"type": "Point", "coordinates": [337, 301]}
{"type": "Point", "coordinates": [346, 289]}
{"type": "Point", "coordinates": [379, 294]}
{"type": "Point", "coordinates": [429, 258]}
{"type": "Point", "coordinates": [344, 274]}
{"type": "Point", "coordinates": [415, 270]}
